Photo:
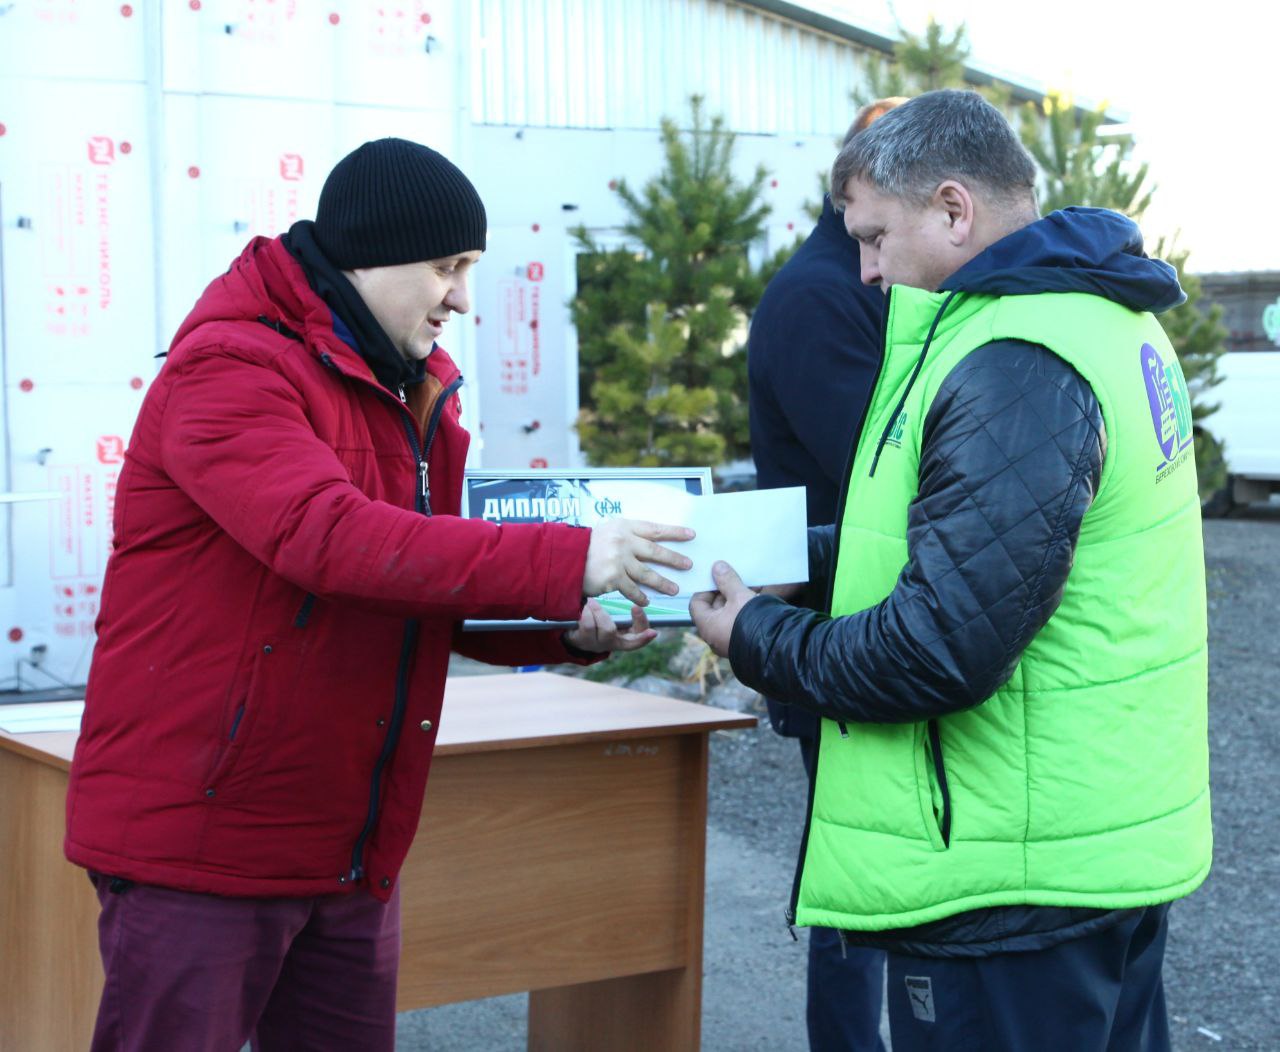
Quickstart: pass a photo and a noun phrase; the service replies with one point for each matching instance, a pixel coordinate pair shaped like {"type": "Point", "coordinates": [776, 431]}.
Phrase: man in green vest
{"type": "Point", "coordinates": [1008, 645]}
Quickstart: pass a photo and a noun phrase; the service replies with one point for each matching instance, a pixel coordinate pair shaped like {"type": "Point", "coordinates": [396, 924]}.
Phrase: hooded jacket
{"type": "Point", "coordinates": [811, 360]}
{"type": "Point", "coordinates": [286, 584]}
{"type": "Point", "coordinates": [1011, 450]}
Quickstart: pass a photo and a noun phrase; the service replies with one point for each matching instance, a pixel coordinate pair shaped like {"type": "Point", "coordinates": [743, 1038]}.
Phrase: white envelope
{"type": "Point", "coordinates": [762, 534]}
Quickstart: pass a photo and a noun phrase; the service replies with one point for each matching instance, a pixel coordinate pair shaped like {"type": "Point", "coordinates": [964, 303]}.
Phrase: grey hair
{"type": "Point", "coordinates": [934, 137]}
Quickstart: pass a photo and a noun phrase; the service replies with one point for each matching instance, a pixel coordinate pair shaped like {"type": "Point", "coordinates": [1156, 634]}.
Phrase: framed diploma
{"type": "Point", "coordinates": [580, 497]}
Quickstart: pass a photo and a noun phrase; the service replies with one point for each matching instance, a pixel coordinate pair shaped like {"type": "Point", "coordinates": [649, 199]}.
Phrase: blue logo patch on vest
{"type": "Point", "coordinates": [1170, 409]}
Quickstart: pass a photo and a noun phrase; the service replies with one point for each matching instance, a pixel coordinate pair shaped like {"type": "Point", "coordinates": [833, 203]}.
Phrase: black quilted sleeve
{"type": "Point", "coordinates": [1011, 455]}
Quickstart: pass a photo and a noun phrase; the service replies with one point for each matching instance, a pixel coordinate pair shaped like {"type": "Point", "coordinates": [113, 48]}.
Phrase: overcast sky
{"type": "Point", "coordinates": [1201, 84]}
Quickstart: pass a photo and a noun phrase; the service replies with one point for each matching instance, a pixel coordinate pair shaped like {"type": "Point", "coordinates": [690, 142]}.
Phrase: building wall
{"type": "Point", "coordinates": [141, 147]}
{"type": "Point", "coordinates": [538, 184]}
{"type": "Point", "coordinates": [625, 64]}
{"type": "Point", "coordinates": [566, 98]}
{"type": "Point", "coordinates": [143, 144]}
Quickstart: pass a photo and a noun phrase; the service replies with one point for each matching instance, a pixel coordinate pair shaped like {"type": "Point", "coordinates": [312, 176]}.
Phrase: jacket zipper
{"type": "Point", "coordinates": [924, 351]}
{"type": "Point", "coordinates": [831, 587]}
{"type": "Point", "coordinates": [831, 583]}
{"type": "Point", "coordinates": [409, 641]}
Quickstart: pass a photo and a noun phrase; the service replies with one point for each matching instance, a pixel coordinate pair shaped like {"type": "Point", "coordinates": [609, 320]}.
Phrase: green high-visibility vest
{"type": "Point", "coordinates": [1084, 780]}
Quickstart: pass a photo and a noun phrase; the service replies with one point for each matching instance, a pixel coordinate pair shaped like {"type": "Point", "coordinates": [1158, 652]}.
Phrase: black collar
{"type": "Point", "coordinates": [389, 366]}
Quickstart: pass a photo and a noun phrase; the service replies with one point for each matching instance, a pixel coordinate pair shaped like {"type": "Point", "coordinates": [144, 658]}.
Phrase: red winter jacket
{"type": "Point", "coordinates": [278, 613]}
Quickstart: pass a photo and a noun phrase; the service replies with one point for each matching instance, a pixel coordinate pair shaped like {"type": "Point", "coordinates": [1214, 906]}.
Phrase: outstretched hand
{"type": "Point", "coordinates": [597, 632]}
{"type": "Point", "coordinates": [714, 613]}
{"type": "Point", "coordinates": [620, 554]}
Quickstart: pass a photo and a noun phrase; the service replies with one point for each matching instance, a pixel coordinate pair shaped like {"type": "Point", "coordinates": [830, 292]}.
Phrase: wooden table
{"type": "Point", "coordinates": [561, 851]}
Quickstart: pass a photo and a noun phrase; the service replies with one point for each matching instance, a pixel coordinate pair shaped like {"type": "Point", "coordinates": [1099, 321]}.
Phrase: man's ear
{"type": "Point", "coordinates": [956, 203]}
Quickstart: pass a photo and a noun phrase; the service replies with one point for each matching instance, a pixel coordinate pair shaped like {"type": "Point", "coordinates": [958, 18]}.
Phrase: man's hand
{"type": "Point", "coordinates": [597, 633]}
{"type": "Point", "coordinates": [618, 554]}
{"type": "Point", "coordinates": [714, 613]}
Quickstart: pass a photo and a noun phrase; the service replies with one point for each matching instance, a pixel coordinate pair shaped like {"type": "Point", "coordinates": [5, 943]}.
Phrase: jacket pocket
{"type": "Point", "coordinates": [935, 793]}
{"type": "Point", "coordinates": [238, 727]}
{"type": "Point", "coordinates": [303, 615]}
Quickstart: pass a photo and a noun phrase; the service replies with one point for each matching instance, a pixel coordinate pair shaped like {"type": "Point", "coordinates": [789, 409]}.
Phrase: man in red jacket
{"type": "Point", "coordinates": [287, 583]}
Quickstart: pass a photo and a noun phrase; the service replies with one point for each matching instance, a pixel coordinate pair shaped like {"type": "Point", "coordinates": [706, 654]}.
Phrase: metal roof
{"type": "Point", "coordinates": [836, 27]}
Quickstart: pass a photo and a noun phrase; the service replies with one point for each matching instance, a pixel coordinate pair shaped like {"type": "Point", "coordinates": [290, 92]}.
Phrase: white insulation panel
{"type": "Point", "coordinates": [72, 39]}
{"type": "Point", "coordinates": [68, 441]}
{"type": "Point", "coordinates": [520, 323]}
{"type": "Point", "coordinates": [400, 53]}
{"type": "Point", "coordinates": [77, 227]}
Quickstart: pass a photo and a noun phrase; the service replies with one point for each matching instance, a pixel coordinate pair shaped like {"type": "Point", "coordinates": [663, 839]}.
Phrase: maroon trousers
{"type": "Point", "coordinates": [204, 973]}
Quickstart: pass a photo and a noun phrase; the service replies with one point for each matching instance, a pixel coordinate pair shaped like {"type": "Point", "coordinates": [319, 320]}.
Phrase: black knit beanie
{"type": "Point", "coordinates": [392, 201]}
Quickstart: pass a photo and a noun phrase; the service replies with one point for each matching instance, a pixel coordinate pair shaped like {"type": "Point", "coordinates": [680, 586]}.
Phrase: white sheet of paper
{"type": "Point", "coordinates": [762, 534]}
{"type": "Point", "coordinates": [43, 716]}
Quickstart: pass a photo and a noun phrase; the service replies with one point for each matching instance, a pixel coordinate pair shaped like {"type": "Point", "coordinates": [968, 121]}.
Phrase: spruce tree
{"type": "Point", "coordinates": [1079, 166]}
{"type": "Point", "coordinates": [936, 58]}
{"type": "Point", "coordinates": [662, 322]}
{"type": "Point", "coordinates": [922, 62]}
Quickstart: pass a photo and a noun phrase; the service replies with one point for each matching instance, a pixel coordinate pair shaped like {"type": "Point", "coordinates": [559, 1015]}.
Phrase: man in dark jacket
{"type": "Point", "coordinates": [812, 356]}
{"type": "Point", "coordinates": [1014, 606]}
{"type": "Point", "coordinates": [288, 578]}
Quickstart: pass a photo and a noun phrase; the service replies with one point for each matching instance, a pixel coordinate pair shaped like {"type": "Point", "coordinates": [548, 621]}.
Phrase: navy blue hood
{"type": "Point", "coordinates": [1073, 250]}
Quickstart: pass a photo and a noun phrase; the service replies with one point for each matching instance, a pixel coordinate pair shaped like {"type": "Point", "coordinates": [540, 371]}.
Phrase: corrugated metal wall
{"type": "Point", "coordinates": [628, 63]}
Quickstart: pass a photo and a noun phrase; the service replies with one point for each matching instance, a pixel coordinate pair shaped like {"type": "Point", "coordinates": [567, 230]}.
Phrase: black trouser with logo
{"type": "Point", "coordinates": [845, 984]}
{"type": "Point", "coordinates": [1102, 992]}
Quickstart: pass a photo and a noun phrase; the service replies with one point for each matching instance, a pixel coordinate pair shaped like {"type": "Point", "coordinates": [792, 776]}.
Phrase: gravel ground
{"type": "Point", "coordinates": [1222, 957]}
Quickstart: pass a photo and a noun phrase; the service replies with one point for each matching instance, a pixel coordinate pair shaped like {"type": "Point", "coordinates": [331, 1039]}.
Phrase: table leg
{"type": "Point", "coordinates": [651, 1011]}
{"type": "Point", "coordinates": [638, 1013]}
{"type": "Point", "coordinates": [50, 972]}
